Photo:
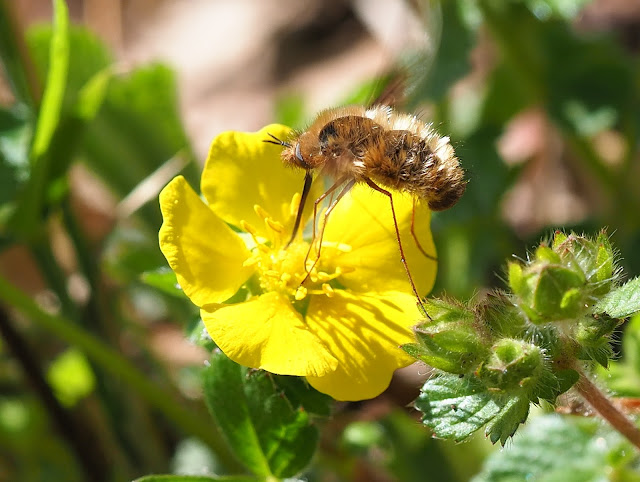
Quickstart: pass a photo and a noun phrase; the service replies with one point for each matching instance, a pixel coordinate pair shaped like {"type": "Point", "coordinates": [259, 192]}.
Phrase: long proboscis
{"type": "Point", "coordinates": [308, 179]}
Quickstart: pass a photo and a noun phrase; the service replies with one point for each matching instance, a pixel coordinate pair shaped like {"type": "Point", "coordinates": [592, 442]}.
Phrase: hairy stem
{"type": "Point", "coordinates": [607, 410]}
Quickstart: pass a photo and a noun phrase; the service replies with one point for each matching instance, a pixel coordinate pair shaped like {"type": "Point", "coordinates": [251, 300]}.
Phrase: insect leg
{"type": "Point", "coordinates": [308, 178]}
{"type": "Point", "coordinates": [333, 187]}
{"type": "Point", "coordinates": [375, 187]}
{"type": "Point", "coordinates": [413, 233]}
{"type": "Point", "coordinates": [333, 204]}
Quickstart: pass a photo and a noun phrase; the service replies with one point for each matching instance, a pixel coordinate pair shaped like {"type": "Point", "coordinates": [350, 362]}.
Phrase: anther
{"type": "Point", "coordinates": [252, 261]}
{"type": "Point", "coordinates": [344, 269]}
{"type": "Point", "coordinates": [328, 290]}
{"type": "Point", "coordinates": [272, 273]}
{"type": "Point", "coordinates": [275, 225]}
{"type": "Point", "coordinates": [301, 293]}
{"type": "Point", "coordinates": [295, 202]}
{"type": "Point", "coordinates": [260, 211]}
{"type": "Point", "coordinates": [248, 228]}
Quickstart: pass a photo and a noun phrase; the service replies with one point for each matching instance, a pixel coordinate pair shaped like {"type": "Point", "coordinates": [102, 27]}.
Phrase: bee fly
{"type": "Point", "coordinates": [379, 147]}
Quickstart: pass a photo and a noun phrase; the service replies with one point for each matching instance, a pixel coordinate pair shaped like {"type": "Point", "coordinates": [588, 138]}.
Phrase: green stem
{"type": "Point", "coordinates": [190, 422]}
{"type": "Point", "coordinates": [607, 410]}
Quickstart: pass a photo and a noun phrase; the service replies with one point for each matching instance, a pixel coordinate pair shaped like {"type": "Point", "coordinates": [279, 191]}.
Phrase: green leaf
{"type": "Point", "coordinates": [88, 56]}
{"type": "Point", "coordinates": [558, 449]}
{"type": "Point", "coordinates": [25, 220]}
{"type": "Point", "coordinates": [623, 375]}
{"type": "Point", "coordinates": [455, 407]}
{"type": "Point", "coordinates": [266, 432]}
{"type": "Point", "coordinates": [53, 94]}
{"type": "Point", "coordinates": [302, 395]}
{"type": "Point", "coordinates": [622, 301]}
{"type": "Point", "coordinates": [506, 422]}
{"type": "Point", "coordinates": [165, 280]}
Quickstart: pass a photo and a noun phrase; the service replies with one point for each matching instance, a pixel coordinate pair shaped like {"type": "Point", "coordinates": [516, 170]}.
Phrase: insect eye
{"type": "Point", "coordinates": [298, 153]}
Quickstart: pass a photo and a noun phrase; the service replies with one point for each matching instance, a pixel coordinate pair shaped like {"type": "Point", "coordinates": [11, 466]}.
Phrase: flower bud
{"type": "Point", "coordinates": [594, 257]}
{"type": "Point", "coordinates": [448, 341]}
{"type": "Point", "coordinates": [512, 364]}
{"type": "Point", "coordinates": [560, 282]}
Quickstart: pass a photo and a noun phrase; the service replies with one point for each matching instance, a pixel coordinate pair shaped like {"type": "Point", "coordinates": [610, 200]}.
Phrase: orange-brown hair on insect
{"type": "Point", "coordinates": [379, 147]}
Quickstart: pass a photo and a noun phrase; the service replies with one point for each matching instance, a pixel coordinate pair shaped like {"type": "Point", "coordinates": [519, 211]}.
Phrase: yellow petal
{"type": "Point", "coordinates": [267, 333]}
{"type": "Point", "coordinates": [242, 170]}
{"type": "Point", "coordinates": [364, 333]}
{"type": "Point", "coordinates": [363, 220]}
{"type": "Point", "coordinates": [204, 252]}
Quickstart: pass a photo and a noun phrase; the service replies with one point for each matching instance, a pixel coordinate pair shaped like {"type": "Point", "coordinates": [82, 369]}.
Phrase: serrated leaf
{"type": "Point", "coordinates": [506, 422]}
{"type": "Point", "coordinates": [266, 432]}
{"type": "Point", "coordinates": [165, 280]}
{"type": "Point", "coordinates": [556, 448]}
{"type": "Point", "coordinates": [455, 407]}
{"type": "Point", "coordinates": [621, 302]}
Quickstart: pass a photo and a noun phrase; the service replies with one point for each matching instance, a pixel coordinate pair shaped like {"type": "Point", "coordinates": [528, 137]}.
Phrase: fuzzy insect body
{"type": "Point", "coordinates": [395, 150]}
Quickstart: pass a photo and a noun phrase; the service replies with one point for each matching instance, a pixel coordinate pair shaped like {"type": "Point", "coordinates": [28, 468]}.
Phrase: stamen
{"type": "Point", "coordinates": [263, 247]}
{"type": "Point", "coordinates": [275, 225]}
{"type": "Point", "coordinates": [251, 230]}
{"type": "Point", "coordinates": [344, 269]}
{"type": "Point", "coordinates": [260, 211]}
{"type": "Point", "coordinates": [272, 273]}
{"type": "Point", "coordinates": [285, 278]}
{"type": "Point", "coordinates": [324, 277]}
{"type": "Point", "coordinates": [295, 202]}
{"type": "Point", "coordinates": [246, 227]}
{"type": "Point", "coordinates": [328, 290]}
{"type": "Point", "coordinates": [301, 293]}
{"type": "Point", "coordinates": [252, 261]}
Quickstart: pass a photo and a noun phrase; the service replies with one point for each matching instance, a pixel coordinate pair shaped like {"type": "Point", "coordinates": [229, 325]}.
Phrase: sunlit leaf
{"type": "Point", "coordinates": [455, 407]}
{"type": "Point", "coordinates": [622, 301]}
{"type": "Point", "coordinates": [53, 95]}
{"type": "Point", "coordinates": [266, 432]}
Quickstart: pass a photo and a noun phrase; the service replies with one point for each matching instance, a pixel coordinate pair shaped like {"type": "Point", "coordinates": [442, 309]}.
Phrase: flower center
{"type": "Point", "coordinates": [292, 269]}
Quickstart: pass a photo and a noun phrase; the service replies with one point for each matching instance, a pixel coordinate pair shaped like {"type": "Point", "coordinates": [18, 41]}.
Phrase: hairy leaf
{"type": "Point", "coordinates": [623, 301]}
{"type": "Point", "coordinates": [455, 407]}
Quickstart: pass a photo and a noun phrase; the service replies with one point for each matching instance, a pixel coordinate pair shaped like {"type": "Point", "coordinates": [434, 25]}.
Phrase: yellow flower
{"type": "Point", "coordinates": [342, 328]}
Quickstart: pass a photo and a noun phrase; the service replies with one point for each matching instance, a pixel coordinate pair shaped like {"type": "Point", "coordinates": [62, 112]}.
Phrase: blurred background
{"type": "Point", "coordinates": [539, 97]}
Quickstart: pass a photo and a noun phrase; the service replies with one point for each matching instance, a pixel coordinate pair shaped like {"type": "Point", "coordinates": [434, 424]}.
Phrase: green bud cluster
{"type": "Point", "coordinates": [563, 281]}
{"type": "Point", "coordinates": [521, 342]}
